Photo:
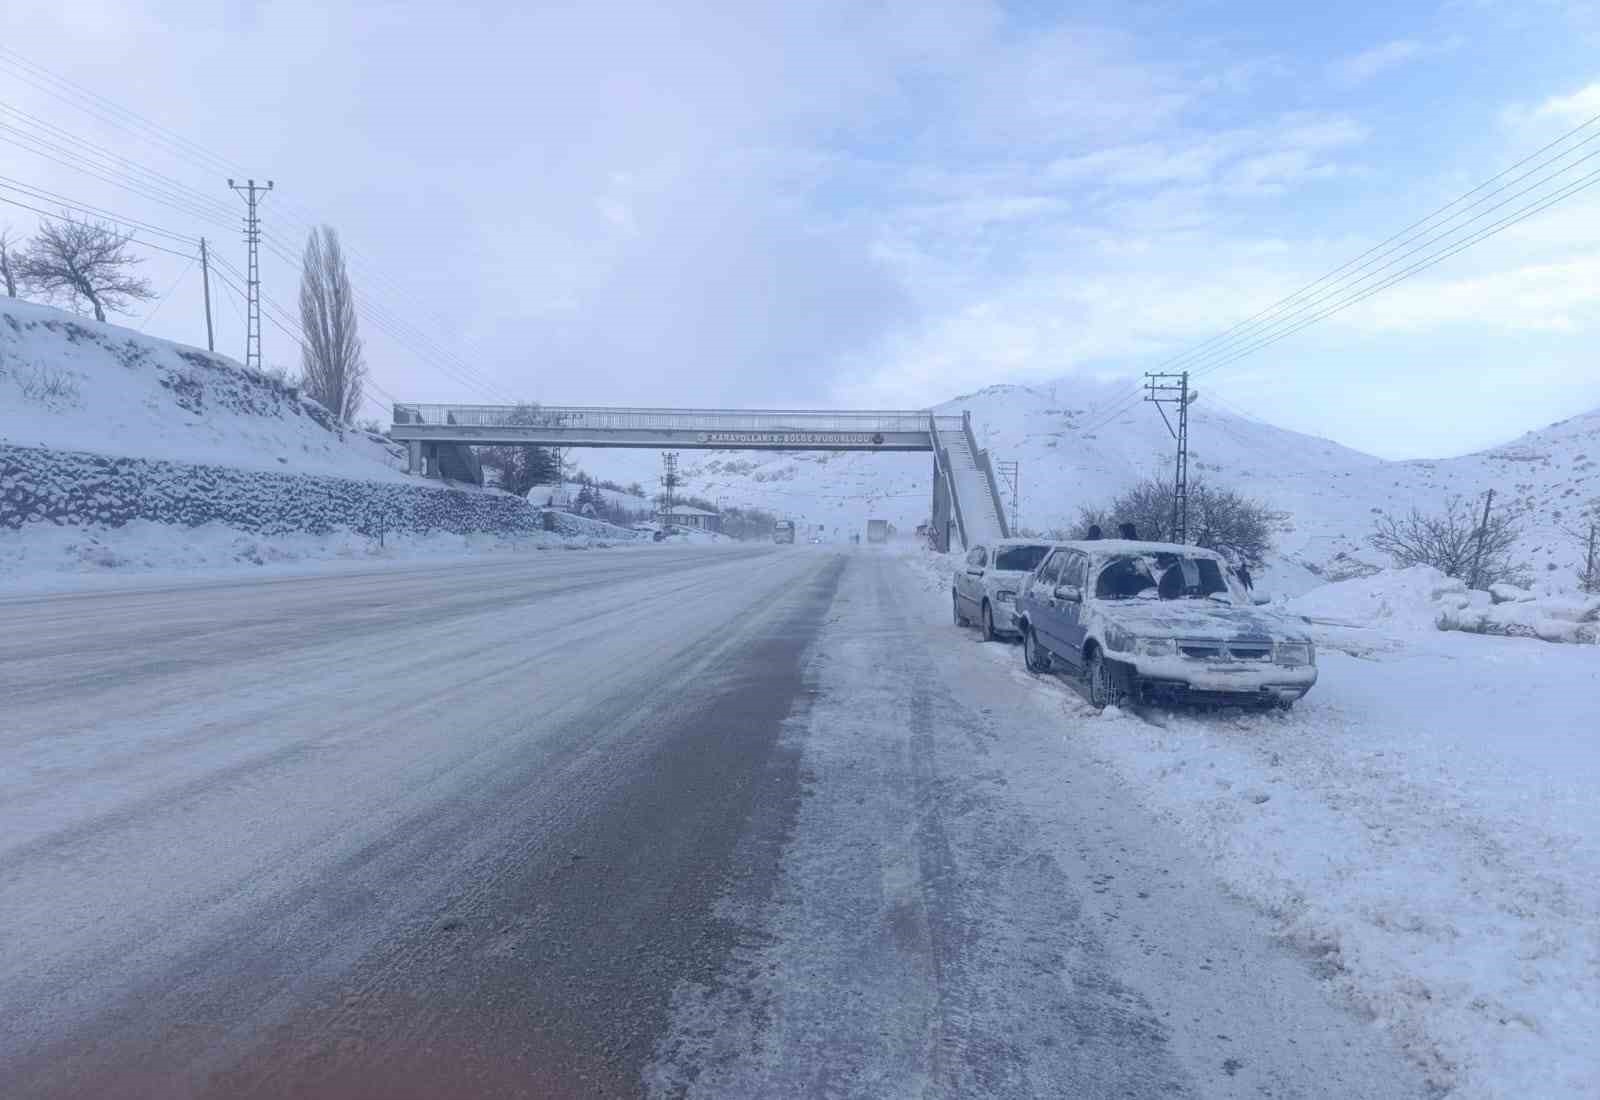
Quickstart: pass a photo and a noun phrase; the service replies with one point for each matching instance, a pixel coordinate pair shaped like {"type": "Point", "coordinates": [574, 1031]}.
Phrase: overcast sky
{"type": "Point", "coordinates": [851, 203]}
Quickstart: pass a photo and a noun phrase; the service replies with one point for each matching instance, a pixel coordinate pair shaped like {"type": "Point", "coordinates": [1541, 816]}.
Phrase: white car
{"type": "Point", "coordinates": [986, 585]}
{"type": "Point", "coordinates": [1156, 621]}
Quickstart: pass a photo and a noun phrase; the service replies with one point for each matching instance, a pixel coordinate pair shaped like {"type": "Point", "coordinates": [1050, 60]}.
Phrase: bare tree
{"type": "Point", "coordinates": [1219, 519]}
{"type": "Point", "coordinates": [1585, 534]}
{"type": "Point", "coordinates": [85, 261]}
{"type": "Point", "coordinates": [331, 357]}
{"type": "Point", "coordinates": [1449, 541]}
{"type": "Point", "coordinates": [9, 259]}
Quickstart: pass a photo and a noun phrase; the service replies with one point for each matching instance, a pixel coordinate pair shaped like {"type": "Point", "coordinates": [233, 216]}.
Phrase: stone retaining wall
{"type": "Point", "coordinates": [74, 488]}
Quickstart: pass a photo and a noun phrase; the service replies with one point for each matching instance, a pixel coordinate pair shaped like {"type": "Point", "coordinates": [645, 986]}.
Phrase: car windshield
{"type": "Point", "coordinates": [1162, 576]}
{"type": "Point", "coordinates": [1019, 559]}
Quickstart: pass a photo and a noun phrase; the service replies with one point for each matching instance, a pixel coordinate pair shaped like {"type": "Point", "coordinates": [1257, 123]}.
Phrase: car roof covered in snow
{"type": "Point", "coordinates": [1109, 547]}
{"type": "Point", "coordinates": [1001, 544]}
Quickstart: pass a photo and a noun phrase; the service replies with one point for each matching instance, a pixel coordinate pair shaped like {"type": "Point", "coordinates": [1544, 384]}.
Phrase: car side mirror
{"type": "Point", "coordinates": [1070, 592]}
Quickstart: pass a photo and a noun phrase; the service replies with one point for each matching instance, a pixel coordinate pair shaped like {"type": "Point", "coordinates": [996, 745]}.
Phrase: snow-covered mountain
{"type": "Point", "coordinates": [1070, 456]}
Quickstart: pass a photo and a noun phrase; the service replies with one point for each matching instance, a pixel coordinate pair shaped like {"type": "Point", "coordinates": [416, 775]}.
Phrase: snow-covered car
{"type": "Point", "coordinates": [986, 585]}
{"type": "Point", "coordinates": [1159, 621]}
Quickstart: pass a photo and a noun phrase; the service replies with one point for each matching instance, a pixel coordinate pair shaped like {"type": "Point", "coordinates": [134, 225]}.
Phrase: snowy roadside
{"type": "Point", "coordinates": [53, 559]}
{"type": "Point", "coordinates": [1423, 824]}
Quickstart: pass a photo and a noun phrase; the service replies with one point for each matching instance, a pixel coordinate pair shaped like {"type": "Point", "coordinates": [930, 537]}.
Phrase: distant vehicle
{"type": "Point", "coordinates": [1157, 621]}
{"type": "Point", "coordinates": [783, 531]}
{"type": "Point", "coordinates": [986, 585]}
{"type": "Point", "coordinates": [877, 530]}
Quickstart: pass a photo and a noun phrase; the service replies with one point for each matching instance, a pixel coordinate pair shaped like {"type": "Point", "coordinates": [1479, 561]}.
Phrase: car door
{"type": "Point", "coordinates": [969, 582]}
{"type": "Point", "coordinates": [1046, 609]}
{"type": "Point", "coordinates": [1074, 574]}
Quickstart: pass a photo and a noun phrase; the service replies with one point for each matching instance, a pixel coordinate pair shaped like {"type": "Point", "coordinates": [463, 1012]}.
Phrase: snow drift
{"type": "Point", "coordinates": [1422, 598]}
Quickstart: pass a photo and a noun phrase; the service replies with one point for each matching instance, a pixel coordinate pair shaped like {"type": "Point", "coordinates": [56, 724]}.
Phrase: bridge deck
{"type": "Point", "coordinates": [706, 429]}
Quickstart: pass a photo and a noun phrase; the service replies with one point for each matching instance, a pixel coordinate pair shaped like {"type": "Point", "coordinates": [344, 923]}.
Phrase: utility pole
{"type": "Point", "coordinates": [1008, 474]}
{"type": "Point", "coordinates": [1161, 391]}
{"type": "Point", "coordinates": [252, 237]}
{"type": "Point", "coordinates": [205, 281]}
{"type": "Point", "coordinates": [1483, 531]}
{"type": "Point", "coordinates": [669, 479]}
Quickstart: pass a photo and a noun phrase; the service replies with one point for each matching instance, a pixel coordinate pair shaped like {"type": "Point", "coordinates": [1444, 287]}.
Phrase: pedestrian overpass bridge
{"type": "Point", "coordinates": [965, 498]}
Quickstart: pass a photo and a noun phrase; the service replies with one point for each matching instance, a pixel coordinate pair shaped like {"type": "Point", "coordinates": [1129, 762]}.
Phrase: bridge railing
{"type": "Point", "coordinates": [611, 418]}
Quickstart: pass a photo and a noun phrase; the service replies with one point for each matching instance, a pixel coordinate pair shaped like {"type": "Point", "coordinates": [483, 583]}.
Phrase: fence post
{"type": "Point", "coordinates": [1591, 583]}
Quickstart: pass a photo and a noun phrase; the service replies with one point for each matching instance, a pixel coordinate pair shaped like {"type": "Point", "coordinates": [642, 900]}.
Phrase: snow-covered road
{"type": "Point", "coordinates": [726, 823]}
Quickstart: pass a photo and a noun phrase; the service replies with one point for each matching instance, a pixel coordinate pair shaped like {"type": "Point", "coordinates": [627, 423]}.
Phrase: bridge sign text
{"type": "Point", "coordinates": [792, 439]}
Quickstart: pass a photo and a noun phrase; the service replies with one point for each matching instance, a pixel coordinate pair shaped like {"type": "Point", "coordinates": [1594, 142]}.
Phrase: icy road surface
{"type": "Point", "coordinates": [722, 823]}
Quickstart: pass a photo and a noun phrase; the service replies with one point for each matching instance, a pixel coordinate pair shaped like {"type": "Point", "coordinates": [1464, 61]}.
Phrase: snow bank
{"type": "Point", "coordinates": [1397, 599]}
{"type": "Point", "coordinates": [576, 526]}
{"type": "Point", "coordinates": [68, 383]}
{"type": "Point", "coordinates": [1424, 828]}
{"type": "Point", "coordinates": [56, 558]}
{"type": "Point", "coordinates": [1421, 599]}
{"type": "Point", "coordinates": [1549, 618]}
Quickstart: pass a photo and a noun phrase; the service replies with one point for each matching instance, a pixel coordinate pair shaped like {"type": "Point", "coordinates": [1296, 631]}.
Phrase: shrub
{"type": "Point", "coordinates": [1236, 526]}
{"type": "Point", "coordinates": [1450, 542]}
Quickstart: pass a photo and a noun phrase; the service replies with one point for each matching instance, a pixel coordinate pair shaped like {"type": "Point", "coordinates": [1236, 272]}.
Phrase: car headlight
{"type": "Point", "coordinates": [1294, 653]}
{"type": "Point", "coordinates": [1158, 647]}
{"type": "Point", "coordinates": [1005, 596]}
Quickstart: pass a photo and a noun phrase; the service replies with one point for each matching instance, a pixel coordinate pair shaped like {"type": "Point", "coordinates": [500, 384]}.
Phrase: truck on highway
{"type": "Point", "coordinates": [877, 530]}
{"type": "Point", "coordinates": [783, 531]}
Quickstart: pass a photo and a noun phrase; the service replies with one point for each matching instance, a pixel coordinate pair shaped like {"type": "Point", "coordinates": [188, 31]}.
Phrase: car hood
{"type": "Point", "coordinates": [1198, 619]}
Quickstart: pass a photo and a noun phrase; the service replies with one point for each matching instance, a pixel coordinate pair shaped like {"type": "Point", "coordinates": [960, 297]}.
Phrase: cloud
{"type": "Point", "coordinates": [1530, 298]}
{"type": "Point", "coordinates": [1364, 66]}
{"type": "Point", "coordinates": [1361, 67]}
{"type": "Point", "coordinates": [1580, 106]}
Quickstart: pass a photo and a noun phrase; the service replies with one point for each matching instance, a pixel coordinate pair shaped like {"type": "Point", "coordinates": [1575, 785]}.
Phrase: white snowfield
{"type": "Point", "coordinates": [72, 383]}
{"type": "Point", "coordinates": [1424, 822]}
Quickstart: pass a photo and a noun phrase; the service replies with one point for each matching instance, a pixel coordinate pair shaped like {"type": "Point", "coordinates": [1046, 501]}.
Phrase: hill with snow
{"type": "Point", "coordinates": [1069, 457]}
{"type": "Point", "coordinates": [74, 384]}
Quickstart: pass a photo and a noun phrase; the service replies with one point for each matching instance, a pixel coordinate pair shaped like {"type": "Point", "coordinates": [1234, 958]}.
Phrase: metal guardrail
{"type": "Point", "coordinates": [694, 420]}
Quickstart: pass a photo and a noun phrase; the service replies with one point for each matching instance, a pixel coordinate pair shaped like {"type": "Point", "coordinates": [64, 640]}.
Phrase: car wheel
{"type": "Point", "coordinates": [988, 622]}
{"type": "Point", "coordinates": [1033, 655]}
{"type": "Point", "coordinates": [1108, 684]}
{"type": "Point", "coordinates": [955, 606]}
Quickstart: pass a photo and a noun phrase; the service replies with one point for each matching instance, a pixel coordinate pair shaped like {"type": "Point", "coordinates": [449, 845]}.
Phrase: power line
{"type": "Point", "coordinates": [1311, 304]}
{"type": "Point", "coordinates": [1405, 236]}
{"type": "Point", "coordinates": [10, 184]}
{"type": "Point", "coordinates": [99, 106]}
{"type": "Point", "coordinates": [179, 196]}
{"type": "Point", "coordinates": [99, 172]}
{"type": "Point", "coordinates": [196, 154]}
{"type": "Point", "coordinates": [151, 316]}
{"type": "Point", "coordinates": [57, 214]}
{"type": "Point", "coordinates": [1582, 184]}
{"type": "Point", "coordinates": [270, 306]}
{"type": "Point", "coordinates": [155, 178]}
{"type": "Point", "coordinates": [1222, 346]}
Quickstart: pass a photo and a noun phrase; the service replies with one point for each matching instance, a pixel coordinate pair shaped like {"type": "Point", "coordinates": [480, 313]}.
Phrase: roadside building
{"type": "Point", "coordinates": [686, 515]}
